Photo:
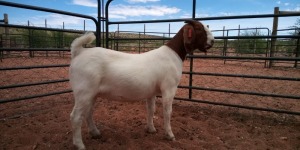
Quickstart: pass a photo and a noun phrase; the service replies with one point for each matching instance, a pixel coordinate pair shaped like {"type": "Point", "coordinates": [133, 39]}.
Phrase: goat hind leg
{"type": "Point", "coordinates": [83, 104]}
{"type": "Point", "coordinates": [94, 132]}
{"type": "Point", "coordinates": [76, 118]}
{"type": "Point", "coordinates": [150, 113]}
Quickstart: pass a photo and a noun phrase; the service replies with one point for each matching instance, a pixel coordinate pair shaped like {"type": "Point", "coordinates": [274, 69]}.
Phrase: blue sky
{"type": "Point", "coordinates": [123, 10]}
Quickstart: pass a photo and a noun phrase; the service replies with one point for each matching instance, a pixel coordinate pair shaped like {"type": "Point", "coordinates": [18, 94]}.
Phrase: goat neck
{"type": "Point", "coordinates": [177, 44]}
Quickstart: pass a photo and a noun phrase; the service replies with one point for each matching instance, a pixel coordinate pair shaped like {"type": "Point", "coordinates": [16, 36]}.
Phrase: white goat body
{"type": "Point", "coordinates": [120, 76]}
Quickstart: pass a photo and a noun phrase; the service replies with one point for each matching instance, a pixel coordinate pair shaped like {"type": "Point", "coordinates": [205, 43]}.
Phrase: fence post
{"type": "Point", "coordinates": [274, 33]}
{"type": "Point", "coordinates": [6, 33]}
{"type": "Point", "coordinates": [6, 22]}
{"type": "Point", "coordinates": [46, 37]}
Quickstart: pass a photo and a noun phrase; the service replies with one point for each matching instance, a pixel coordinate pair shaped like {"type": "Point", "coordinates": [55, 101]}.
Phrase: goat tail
{"type": "Point", "coordinates": [77, 44]}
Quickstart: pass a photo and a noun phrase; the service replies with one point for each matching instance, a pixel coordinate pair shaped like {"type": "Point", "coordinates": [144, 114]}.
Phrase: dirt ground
{"type": "Point", "coordinates": [43, 123]}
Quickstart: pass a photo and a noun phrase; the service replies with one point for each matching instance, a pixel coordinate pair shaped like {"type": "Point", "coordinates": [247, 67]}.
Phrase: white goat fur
{"type": "Point", "coordinates": [120, 76]}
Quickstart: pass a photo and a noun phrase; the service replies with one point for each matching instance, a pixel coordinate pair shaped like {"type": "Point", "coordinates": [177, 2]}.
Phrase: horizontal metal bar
{"type": "Point", "coordinates": [241, 29]}
{"type": "Point", "coordinates": [146, 21]}
{"type": "Point", "coordinates": [34, 67]}
{"type": "Point", "coordinates": [249, 16]}
{"type": "Point", "coordinates": [243, 76]}
{"type": "Point", "coordinates": [32, 84]}
{"type": "Point", "coordinates": [244, 57]}
{"type": "Point", "coordinates": [258, 37]}
{"type": "Point", "coordinates": [218, 37]}
{"type": "Point", "coordinates": [36, 49]}
{"type": "Point", "coordinates": [136, 39]}
{"type": "Point", "coordinates": [33, 96]}
{"type": "Point", "coordinates": [142, 33]}
{"type": "Point", "coordinates": [4, 3]}
{"type": "Point", "coordinates": [41, 28]}
{"type": "Point", "coordinates": [240, 92]}
{"type": "Point", "coordinates": [207, 18]}
{"type": "Point", "coordinates": [239, 106]}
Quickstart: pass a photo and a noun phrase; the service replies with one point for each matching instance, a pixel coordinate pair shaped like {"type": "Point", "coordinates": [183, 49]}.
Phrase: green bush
{"type": "Point", "coordinates": [250, 46]}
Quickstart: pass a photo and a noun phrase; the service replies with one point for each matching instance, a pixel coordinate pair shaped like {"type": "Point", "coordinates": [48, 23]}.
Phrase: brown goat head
{"type": "Point", "coordinates": [196, 36]}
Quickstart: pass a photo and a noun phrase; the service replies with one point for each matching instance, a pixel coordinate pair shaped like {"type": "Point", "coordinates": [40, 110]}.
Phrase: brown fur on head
{"type": "Point", "coordinates": [194, 36]}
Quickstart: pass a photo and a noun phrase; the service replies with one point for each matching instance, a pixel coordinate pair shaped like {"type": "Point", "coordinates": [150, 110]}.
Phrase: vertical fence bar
{"type": "Point", "coordinates": [144, 37]}
{"type": "Point", "coordinates": [224, 44]}
{"type": "Point", "coordinates": [83, 25]}
{"type": "Point", "coordinates": [118, 36]}
{"type": "Point", "coordinates": [103, 24]}
{"type": "Point", "coordinates": [107, 23]}
{"type": "Point", "coordinates": [297, 51]}
{"type": "Point", "coordinates": [139, 42]}
{"type": "Point", "coordinates": [191, 59]}
{"type": "Point", "coordinates": [98, 26]}
{"type": "Point", "coordinates": [169, 30]}
{"type": "Point", "coordinates": [238, 40]}
{"type": "Point", "coordinates": [255, 42]}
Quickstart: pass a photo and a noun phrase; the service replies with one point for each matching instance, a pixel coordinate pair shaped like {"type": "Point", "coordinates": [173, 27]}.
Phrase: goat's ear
{"type": "Point", "coordinates": [189, 36]}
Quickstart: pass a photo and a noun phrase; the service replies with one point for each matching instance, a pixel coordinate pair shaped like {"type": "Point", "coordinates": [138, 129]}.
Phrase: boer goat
{"type": "Point", "coordinates": [120, 76]}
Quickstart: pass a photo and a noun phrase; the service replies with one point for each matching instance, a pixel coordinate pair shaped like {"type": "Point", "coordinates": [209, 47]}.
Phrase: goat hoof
{"type": "Point", "coordinates": [79, 147]}
{"type": "Point", "coordinates": [150, 130]}
{"type": "Point", "coordinates": [170, 138]}
{"type": "Point", "coordinates": [95, 134]}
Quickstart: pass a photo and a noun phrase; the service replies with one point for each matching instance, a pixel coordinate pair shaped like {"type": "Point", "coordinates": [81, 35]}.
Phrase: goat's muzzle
{"type": "Point", "coordinates": [208, 46]}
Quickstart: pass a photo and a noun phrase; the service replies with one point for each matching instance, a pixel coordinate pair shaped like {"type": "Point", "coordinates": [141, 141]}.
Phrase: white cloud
{"type": "Point", "coordinates": [123, 11]}
{"type": "Point", "coordinates": [88, 3]}
{"type": "Point", "coordinates": [225, 14]}
{"type": "Point", "coordinates": [286, 4]}
{"type": "Point", "coordinates": [115, 16]}
{"type": "Point", "coordinates": [278, 2]}
{"type": "Point", "coordinates": [141, 1]}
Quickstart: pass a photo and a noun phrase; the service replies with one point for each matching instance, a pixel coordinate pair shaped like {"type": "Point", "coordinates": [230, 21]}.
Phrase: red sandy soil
{"type": "Point", "coordinates": [43, 123]}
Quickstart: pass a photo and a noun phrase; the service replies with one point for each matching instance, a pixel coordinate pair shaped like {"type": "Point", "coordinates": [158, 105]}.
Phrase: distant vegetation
{"type": "Point", "coordinates": [24, 38]}
{"type": "Point", "coordinates": [27, 38]}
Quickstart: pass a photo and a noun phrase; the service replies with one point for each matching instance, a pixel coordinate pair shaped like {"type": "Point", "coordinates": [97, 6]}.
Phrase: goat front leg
{"type": "Point", "coordinates": [167, 100]}
{"type": "Point", "coordinates": [150, 114]}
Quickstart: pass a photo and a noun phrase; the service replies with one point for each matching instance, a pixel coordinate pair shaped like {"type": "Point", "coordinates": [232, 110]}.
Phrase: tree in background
{"type": "Point", "coordinates": [250, 46]}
